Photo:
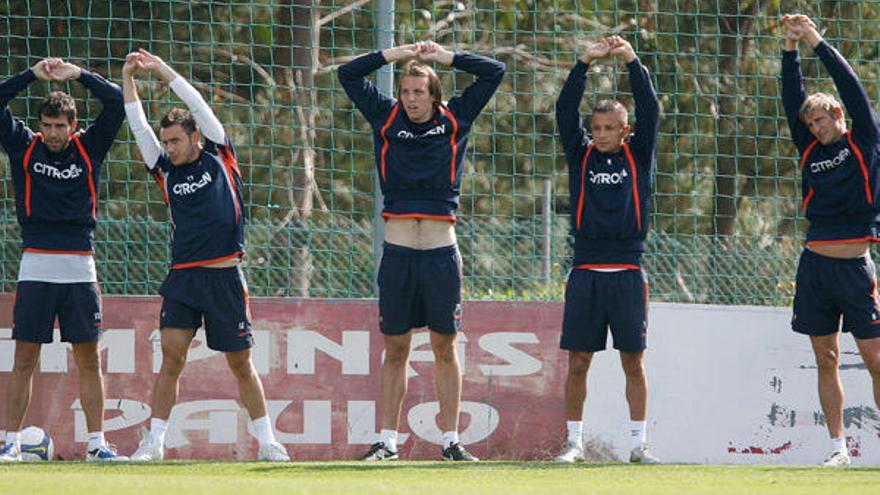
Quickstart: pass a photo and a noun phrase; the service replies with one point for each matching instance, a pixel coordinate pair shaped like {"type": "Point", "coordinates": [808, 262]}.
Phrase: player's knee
{"type": "Point", "coordinates": [396, 355]}
{"type": "Point", "coordinates": [444, 350]}
{"type": "Point", "coordinates": [25, 364]}
{"type": "Point", "coordinates": [827, 360]}
{"type": "Point", "coordinates": [633, 366]}
{"type": "Point", "coordinates": [579, 362]}
{"type": "Point", "coordinates": [445, 354]}
{"type": "Point", "coordinates": [172, 364]}
{"type": "Point", "coordinates": [242, 368]}
{"type": "Point", "coordinates": [634, 370]}
{"type": "Point", "coordinates": [89, 364]}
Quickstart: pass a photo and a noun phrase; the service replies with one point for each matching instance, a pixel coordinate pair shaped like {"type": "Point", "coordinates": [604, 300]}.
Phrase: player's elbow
{"type": "Point", "coordinates": [499, 70]}
{"type": "Point", "coordinates": [344, 74]}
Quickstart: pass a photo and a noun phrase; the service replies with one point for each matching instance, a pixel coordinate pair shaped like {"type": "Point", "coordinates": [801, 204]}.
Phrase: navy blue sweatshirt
{"type": "Point", "coordinates": [205, 204]}
{"type": "Point", "coordinates": [841, 180]}
{"type": "Point", "coordinates": [610, 193]}
{"type": "Point", "coordinates": [56, 194]}
{"type": "Point", "coordinates": [419, 165]}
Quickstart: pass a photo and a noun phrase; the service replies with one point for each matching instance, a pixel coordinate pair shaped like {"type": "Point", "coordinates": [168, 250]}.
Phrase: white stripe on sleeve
{"type": "Point", "coordinates": [143, 134]}
{"type": "Point", "coordinates": [208, 123]}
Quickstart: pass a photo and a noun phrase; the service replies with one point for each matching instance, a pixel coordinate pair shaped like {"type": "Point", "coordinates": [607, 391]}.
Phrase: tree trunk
{"type": "Point", "coordinates": [736, 22]}
{"type": "Point", "coordinates": [296, 54]}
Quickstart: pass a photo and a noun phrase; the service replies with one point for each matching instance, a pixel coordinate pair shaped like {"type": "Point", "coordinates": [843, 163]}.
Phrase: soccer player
{"type": "Point", "coordinates": [420, 143]}
{"type": "Point", "coordinates": [55, 173]}
{"type": "Point", "coordinates": [610, 179]}
{"type": "Point", "coordinates": [841, 177]}
{"type": "Point", "coordinates": [202, 188]}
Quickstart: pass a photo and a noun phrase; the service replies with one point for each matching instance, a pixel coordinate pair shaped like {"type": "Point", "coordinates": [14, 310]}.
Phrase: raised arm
{"type": "Point", "coordinates": [100, 135]}
{"type": "Point", "coordinates": [365, 96]}
{"type": "Point", "coordinates": [208, 123]}
{"type": "Point", "coordinates": [647, 125]}
{"type": "Point", "coordinates": [850, 89]}
{"type": "Point", "coordinates": [793, 92]}
{"type": "Point", "coordinates": [568, 115]}
{"type": "Point", "coordinates": [14, 134]}
{"type": "Point", "coordinates": [488, 71]}
{"type": "Point", "coordinates": [143, 135]}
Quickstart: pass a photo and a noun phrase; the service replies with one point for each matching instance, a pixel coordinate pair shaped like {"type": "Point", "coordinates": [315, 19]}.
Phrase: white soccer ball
{"type": "Point", "coordinates": [36, 444]}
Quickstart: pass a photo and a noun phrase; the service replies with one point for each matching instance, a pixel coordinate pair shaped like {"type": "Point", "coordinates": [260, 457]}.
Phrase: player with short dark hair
{"type": "Point", "coordinates": [420, 145]}
{"type": "Point", "coordinates": [202, 188]}
{"type": "Point", "coordinates": [610, 180]}
{"type": "Point", "coordinates": [840, 169]}
{"type": "Point", "coordinates": [55, 173]}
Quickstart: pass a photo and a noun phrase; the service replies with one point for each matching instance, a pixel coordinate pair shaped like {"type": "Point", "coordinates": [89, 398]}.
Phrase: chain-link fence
{"type": "Point", "coordinates": [725, 224]}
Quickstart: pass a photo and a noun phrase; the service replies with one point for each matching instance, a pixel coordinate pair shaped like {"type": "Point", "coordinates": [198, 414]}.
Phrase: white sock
{"type": "Point", "coordinates": [838, 444]}
{"type": "Point", "coordinates": [450, 438]}
{"type": "Point", "coordinates": [96, 440]}
{"type": "Point", "coordinates": [158, 427]}
{"type": "Point", "coordinates": [263, 430]}
{"type": "Point", "coordinates": [13, 437]}
{"type": "Point", "coordinates": [575, 432]}
{"type": "Point", "coordinates": [638, 433]}
{"type": "Point", "coordinates": [389, 438]}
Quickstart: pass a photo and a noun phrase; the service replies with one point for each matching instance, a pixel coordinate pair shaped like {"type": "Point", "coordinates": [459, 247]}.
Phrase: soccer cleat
{"type": "Point", "coordinates": [104, 453]}
{"type": "Point", "coordinates": [274, 452]}
{"type": "Point", "coordinates": [641, 455]}
{"type": "Point", "coordinates": [10, 453]}
{"type": "Point", "coordinates": [838, 458]}
{"type": "Point", "coordinates": [572, 452]}
{"type": "Point", "coordinates": [379, 452]}
{"type": "Point", "coordinates": [148, 450]}
{"type": "Point", "coordinates": [456, 452]}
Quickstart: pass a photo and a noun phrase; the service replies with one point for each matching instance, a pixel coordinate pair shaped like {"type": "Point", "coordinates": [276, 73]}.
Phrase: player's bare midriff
{"type": "Point", "coordinates": [843, 251]}
{"type": "Point", "coordinates": [419, 233]}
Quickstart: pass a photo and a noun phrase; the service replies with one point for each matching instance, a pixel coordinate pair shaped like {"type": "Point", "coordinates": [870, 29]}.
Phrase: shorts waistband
{"type": "Point", "coordinates": [226, 270]}
{"type": "Point", "coordinates": [399, 251]}
{"type": "Point", "coordinates": [812, 255]}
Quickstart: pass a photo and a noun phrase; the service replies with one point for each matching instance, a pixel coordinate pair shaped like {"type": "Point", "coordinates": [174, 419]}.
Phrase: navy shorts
{"type": "Point", "coordinates": [595, 301]}
{"type": "Point", "coordinates": [217, 296]}
{"type": "Point", "coordinates": [77, 306]}
{"type": "Point", "coordinates": [828, 288]}
{"type": "Point", "coordinates": [419, 287]}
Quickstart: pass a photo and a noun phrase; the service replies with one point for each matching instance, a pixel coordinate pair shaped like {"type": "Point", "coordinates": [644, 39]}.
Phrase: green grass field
{"type": "Point", "coordinates": [425, 478]}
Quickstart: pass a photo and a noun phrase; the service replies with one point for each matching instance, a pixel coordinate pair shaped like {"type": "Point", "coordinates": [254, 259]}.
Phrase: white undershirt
{"type": "Point", "coordinates": [57, 268]}
{"type": "Point", "coordinates": [608, 270]}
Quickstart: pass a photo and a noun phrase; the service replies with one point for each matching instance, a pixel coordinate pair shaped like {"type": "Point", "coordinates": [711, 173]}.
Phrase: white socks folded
{"type": "Point", "coordinates": [450, 438]}
{"type": "Point", "coordinates": [158, 427]}
{"type": "Point", "coordinates": [261, 427]}
{"type": "Point", "coordinates": [637, 431]}
{"type": "Point", "coordinates": [389, 438]}
{"type": "Point", "coordinates": [575, 432]}
{"type": "Point", "coordinates": [263, 430]}
{"type": "Point", "coordinates": [96, 440]}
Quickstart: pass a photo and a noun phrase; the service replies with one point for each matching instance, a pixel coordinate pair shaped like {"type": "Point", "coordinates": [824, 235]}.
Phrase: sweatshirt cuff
{"type": "Point", "coordinates": [821, 47]}
{"type": "Point", "coordinates": [29, 75]}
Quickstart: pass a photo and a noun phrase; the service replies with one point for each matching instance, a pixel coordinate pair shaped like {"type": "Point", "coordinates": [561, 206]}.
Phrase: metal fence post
{"type": "Point", "coordinates": [385, 83]}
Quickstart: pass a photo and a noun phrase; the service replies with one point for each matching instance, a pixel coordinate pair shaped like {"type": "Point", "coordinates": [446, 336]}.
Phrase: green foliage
{"type": "Point", "coordinates": [727, 182]}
